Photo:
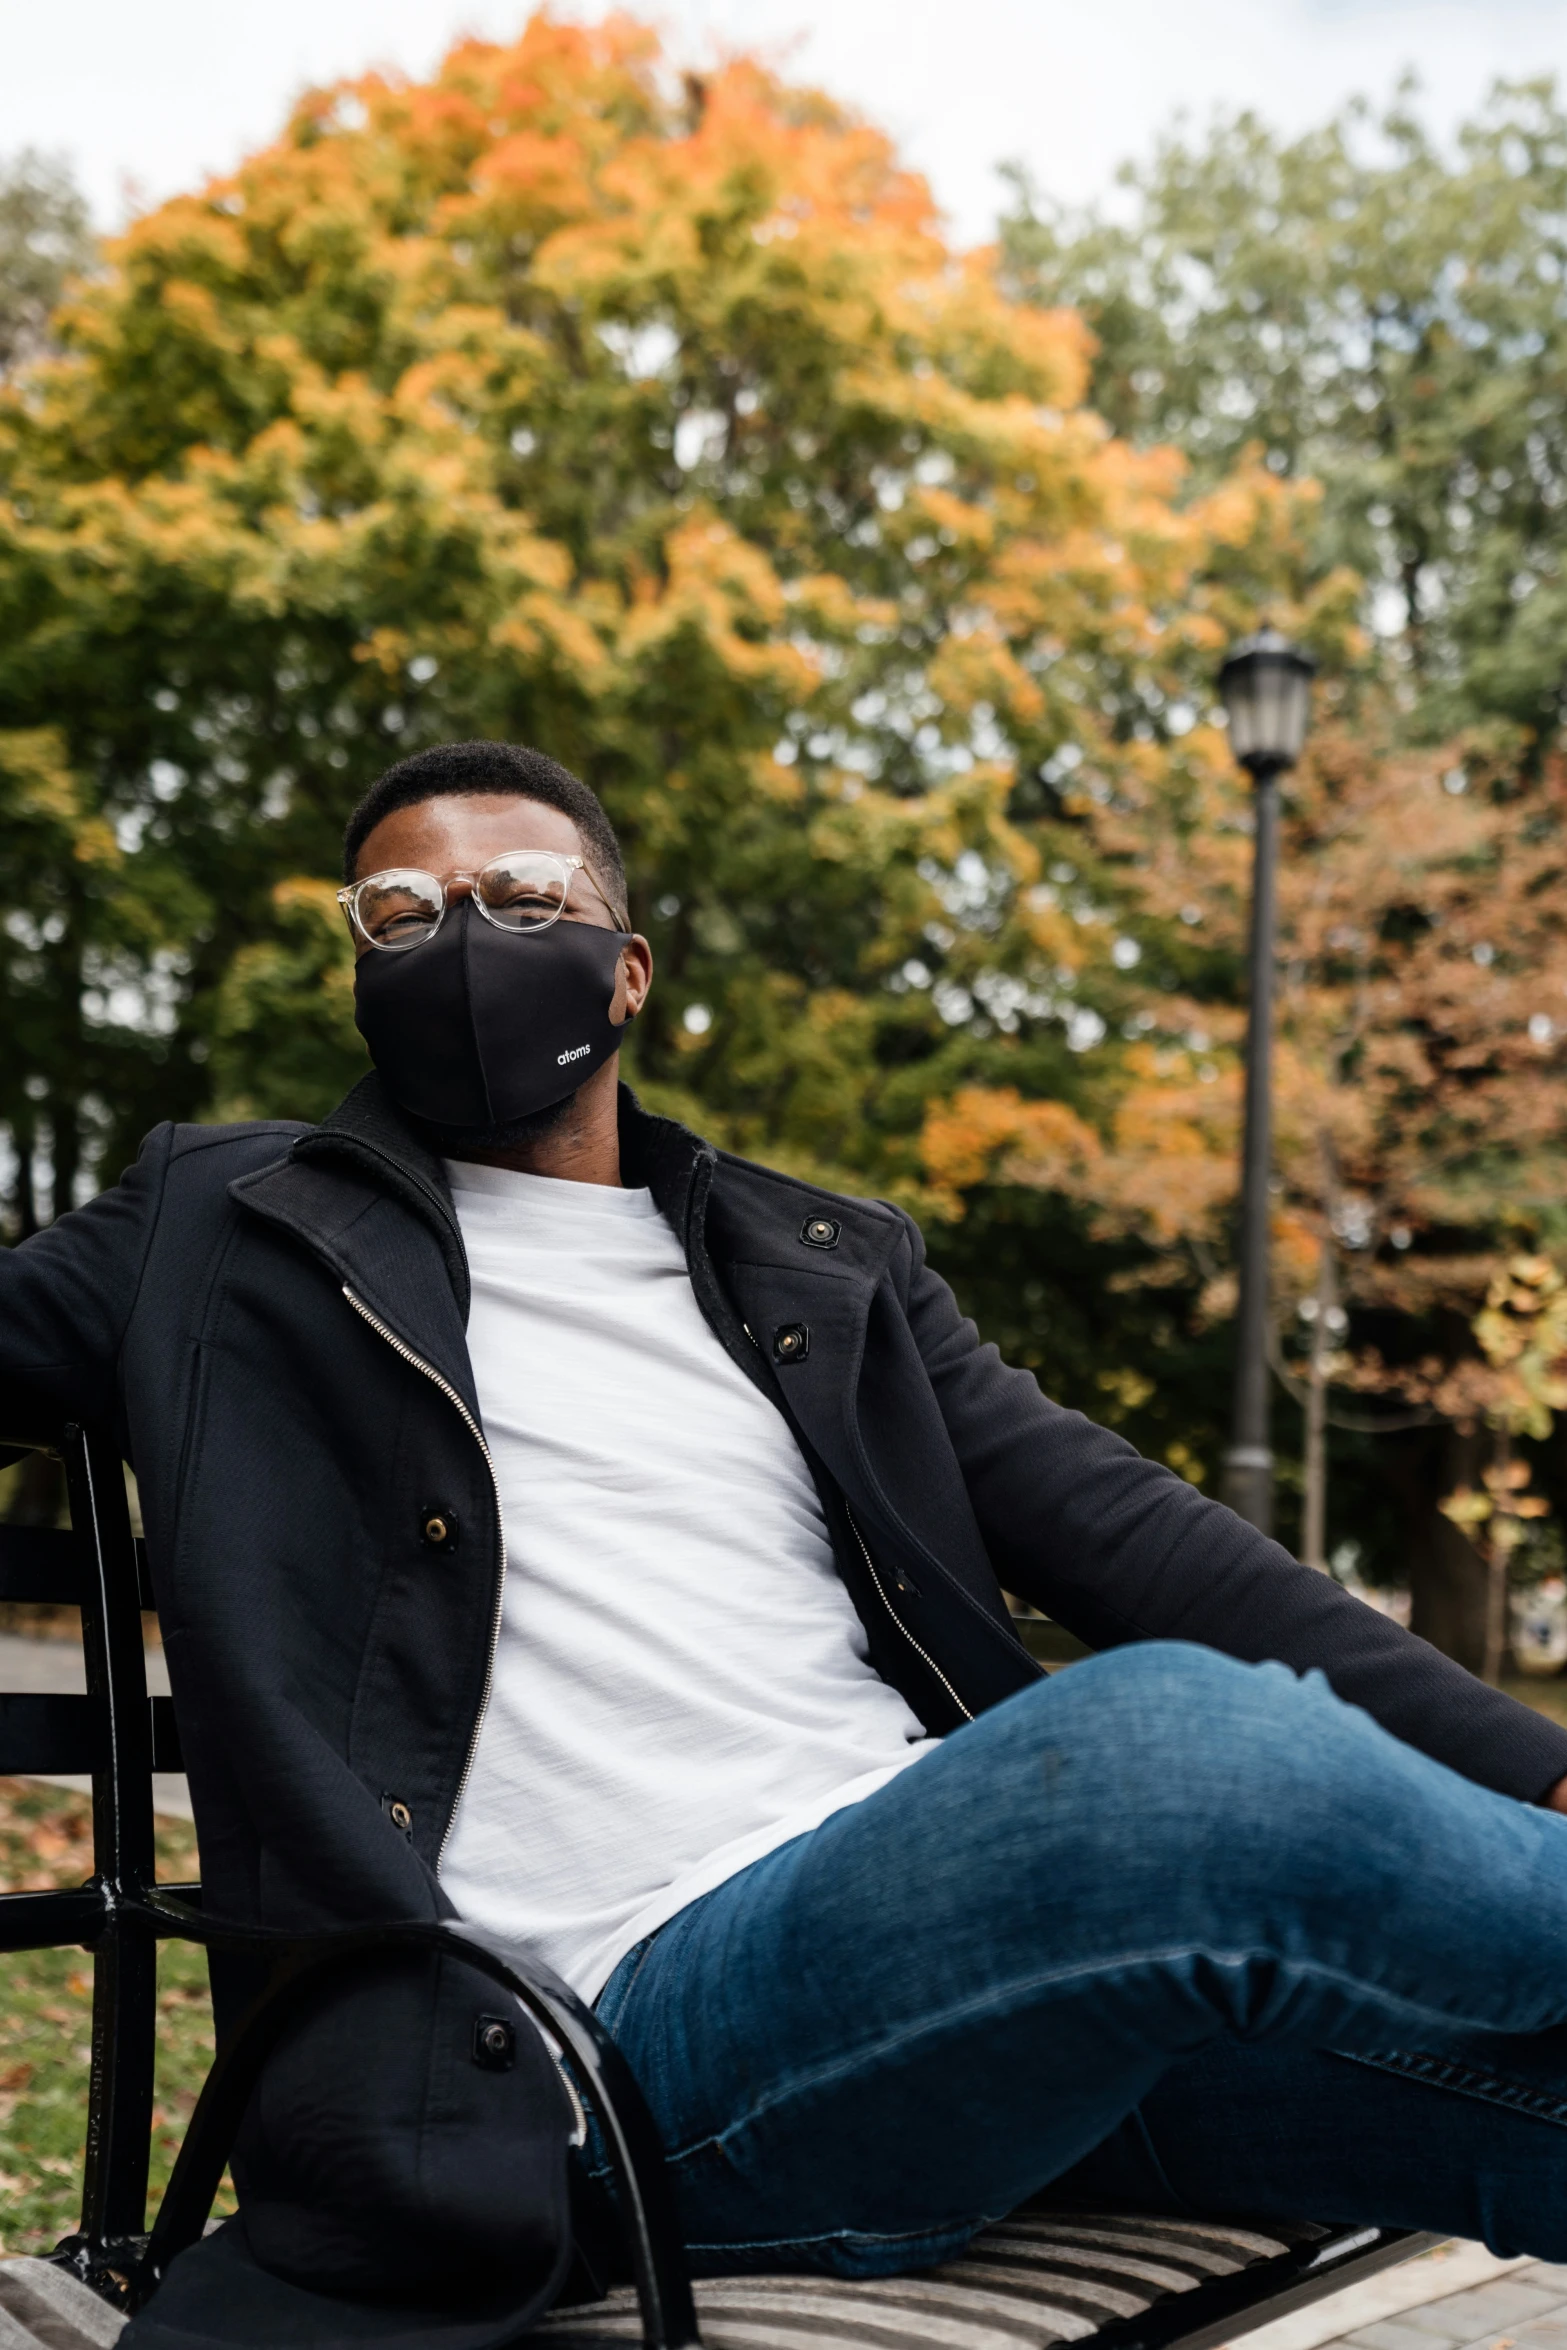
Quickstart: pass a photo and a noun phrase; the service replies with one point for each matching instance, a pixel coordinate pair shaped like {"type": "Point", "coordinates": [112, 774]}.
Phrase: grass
{"type": "Point", "coordinates": [46, 2024]}
{"type": "Point", "coordinates": [1548, 1697]}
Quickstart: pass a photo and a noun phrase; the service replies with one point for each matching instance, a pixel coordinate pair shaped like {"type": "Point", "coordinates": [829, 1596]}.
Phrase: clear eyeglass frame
{"type": "Point", "coordinates": [428, 905]}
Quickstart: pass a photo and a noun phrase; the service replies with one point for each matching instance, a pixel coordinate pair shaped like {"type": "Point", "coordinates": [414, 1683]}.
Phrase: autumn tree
{"type": "Point", "coordinates": [1383, 315]}
{"type": "Point", "coordinates": [657, 423]}
{"type": "Point", "coordinates": [654, 422]}
{"type": "Point", "coordinates": [1522, 1330]}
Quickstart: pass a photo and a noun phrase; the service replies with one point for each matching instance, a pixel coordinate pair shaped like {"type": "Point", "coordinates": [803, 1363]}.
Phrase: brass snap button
{"type": "Point", "coordinates": [438, 1529]}
{"type": "Point", "coordinates": [791, 1343]}
{"type": "Point", "coordinates": [820, 1231]}
{"type": "Point", "coordinates": [399, 1814]}
{"type": "Point", "coordinates": [494, 2044]}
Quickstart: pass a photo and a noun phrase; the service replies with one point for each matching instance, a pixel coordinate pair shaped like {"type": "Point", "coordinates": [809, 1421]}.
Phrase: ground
{"type": "Point", "coordinates": [1457, 2297]}
{"type": "Point", "coordinates": [46, 2023]}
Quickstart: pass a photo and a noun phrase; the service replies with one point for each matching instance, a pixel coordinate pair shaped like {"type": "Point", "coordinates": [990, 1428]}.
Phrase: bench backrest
{"type": "Point", "coordinates": [119, 1735]}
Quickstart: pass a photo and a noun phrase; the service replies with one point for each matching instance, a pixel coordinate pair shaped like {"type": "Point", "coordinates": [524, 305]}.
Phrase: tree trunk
{"type": "Point", "coordinates": [24, 1139]}
{"type": "Point", "coordinates": [1447, 1576]}
{"type": "Point", "coordinates": [65, 1118]}
{"type": "Point", "coordinates": [1314, 1524]}
{"type": "Point", "coordinates": [1496, 1573]}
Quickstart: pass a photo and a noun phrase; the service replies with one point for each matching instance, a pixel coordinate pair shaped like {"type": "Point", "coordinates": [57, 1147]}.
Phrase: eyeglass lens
{"type": "Point", "coordinates": [525, 890]}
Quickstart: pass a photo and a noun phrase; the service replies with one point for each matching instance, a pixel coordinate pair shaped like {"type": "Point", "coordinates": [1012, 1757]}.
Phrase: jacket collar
{"type": "Point", "coordinates": [368, 1196]}
{"type": "Point", "coordinates": [675, 1165]}
{"type": "Point", "coordinates": [369, 1133]}
{"type": "Point", "coordinates": [368, 1148]}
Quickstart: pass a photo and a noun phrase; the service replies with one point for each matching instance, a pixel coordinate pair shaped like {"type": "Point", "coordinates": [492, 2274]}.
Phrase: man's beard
{"type": "Point", "coordinates": [452, 1141]}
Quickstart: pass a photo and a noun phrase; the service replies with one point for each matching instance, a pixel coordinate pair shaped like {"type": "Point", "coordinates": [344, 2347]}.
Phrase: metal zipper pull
{"type": "Point", "coordinates": [922, 1653]}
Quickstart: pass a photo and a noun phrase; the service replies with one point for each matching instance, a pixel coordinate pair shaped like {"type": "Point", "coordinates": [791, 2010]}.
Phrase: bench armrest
{"type": "Point", "coordinates": [301, 1964]}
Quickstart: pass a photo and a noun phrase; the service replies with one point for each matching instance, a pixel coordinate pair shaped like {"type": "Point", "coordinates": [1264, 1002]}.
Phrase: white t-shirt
{"type": "Point", "coordinates": [681, 1682]}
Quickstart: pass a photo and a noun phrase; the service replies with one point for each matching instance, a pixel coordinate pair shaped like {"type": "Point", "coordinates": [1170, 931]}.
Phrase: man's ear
{"type": "Point", "coordinates": [632, 980]}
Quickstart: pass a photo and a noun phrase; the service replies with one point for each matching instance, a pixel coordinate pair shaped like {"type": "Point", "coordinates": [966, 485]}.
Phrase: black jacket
{"type": "Point", "coordinates": [274, 1316]}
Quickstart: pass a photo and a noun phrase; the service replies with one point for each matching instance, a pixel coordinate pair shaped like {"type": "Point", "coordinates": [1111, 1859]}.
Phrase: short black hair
{"type": "Point", "coordinates": [472, 770]}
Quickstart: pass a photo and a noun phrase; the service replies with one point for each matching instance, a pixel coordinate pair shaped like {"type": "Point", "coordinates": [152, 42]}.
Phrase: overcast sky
{"type": "Point", "coordinates": [146, 96]}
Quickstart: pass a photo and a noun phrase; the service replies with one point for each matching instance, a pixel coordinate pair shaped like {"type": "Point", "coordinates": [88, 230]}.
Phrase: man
{"type": "Point", "coordinates": [566, 1526]}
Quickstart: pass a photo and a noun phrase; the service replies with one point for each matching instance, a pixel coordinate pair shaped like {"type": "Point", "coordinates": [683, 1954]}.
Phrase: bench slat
{"type": "Point", "coordinates": [51, 1921]}
{"type": "Point", "coordinates": [42, 1565]}
{"type": "Point", "coordinates": [1121, 2295]}
{"type": "Point", "coordinates": [54, 1737]}
{"type": "Point", "coordinates": [1198, 2259]}
{"type": "Point", "coordinates": [1037, 2279]}
{"type": "Point", "coordinates": [47, 1567]}
{"type": "Point", "coordinates": [1044, 2224]}
{"type": "Point", "coordinates": [50, 1735]}
{"type": "Point", "coordinates": [166, 1754]}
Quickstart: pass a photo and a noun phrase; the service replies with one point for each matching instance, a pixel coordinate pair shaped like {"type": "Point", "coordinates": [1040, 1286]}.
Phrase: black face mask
{"type": "Point", "coordinates": [481, 1028]}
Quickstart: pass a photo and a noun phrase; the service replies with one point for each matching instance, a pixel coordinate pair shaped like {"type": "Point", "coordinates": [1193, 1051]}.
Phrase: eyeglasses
{"type": "Point", "coordinates": [523, 890]}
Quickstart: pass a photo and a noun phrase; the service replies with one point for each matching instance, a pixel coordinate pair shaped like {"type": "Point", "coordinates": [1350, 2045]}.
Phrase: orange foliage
{"type": "Point", "coordinates": [983, 1132]}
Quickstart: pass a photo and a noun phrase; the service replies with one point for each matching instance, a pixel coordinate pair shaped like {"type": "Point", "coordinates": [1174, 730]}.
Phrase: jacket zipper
{"type": "Point", "coordinates": [922, 1653]}
{"type": "Point", "coordinates": [477, 1433]}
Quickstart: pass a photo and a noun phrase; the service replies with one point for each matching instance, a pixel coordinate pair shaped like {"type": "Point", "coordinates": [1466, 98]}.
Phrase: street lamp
{"type": "Point", "coordinates": [1266, 685]}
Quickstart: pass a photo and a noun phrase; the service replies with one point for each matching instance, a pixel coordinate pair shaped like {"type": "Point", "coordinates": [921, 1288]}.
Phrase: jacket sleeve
{"type": "Point", "coordinates": [1117, 1548]}
{"type": "Point", "coordinates": [66, 1296]}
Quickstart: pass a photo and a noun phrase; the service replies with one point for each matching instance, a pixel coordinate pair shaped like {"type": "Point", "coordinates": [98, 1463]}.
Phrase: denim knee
{"type": "Point", "coordinates": [1165, 1689]}
{"type": "Point", "coordinates": [1212, 1757]}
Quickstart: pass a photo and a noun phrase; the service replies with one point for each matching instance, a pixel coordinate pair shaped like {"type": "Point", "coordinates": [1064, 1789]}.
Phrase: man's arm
{"type": "Point", "coordinates": [1117, 1548]}
{"type": "Point", "coordinates": [66, 1295]}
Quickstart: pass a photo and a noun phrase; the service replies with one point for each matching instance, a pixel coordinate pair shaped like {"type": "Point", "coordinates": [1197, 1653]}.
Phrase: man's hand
{"type": "Point", "coordinates": [1557, 1798]}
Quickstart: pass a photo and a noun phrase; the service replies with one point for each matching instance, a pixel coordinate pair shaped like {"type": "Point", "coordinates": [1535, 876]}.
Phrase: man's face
{"type": "Point", "coordinates": [454, 837]}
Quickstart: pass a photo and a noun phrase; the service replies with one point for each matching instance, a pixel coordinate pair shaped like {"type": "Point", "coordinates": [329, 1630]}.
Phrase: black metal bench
{"type": "Point", "coordinates": [1043, 2276]}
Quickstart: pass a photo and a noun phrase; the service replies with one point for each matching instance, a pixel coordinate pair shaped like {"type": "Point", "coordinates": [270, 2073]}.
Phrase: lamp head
{"type": "Point", "coordinates": [1266, 685]}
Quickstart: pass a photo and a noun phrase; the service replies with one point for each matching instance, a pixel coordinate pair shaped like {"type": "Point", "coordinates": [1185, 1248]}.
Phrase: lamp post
{"type": "Point", "coordinates": [1266, 685]}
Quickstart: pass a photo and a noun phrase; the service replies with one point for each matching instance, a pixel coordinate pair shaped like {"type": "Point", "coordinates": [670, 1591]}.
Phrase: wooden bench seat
{"type": "Point", "coordinates": [1041, 2277]}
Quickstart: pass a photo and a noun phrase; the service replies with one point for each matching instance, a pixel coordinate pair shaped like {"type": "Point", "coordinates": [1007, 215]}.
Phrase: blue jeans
{"type": "Point", "coordinates": [1166, 1931]}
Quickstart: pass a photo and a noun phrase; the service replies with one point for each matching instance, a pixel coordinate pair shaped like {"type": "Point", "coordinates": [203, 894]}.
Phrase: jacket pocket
{"type": "Point", "coordinates": [387, 2152]}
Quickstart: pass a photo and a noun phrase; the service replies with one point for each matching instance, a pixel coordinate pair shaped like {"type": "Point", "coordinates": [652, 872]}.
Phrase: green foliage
{"type": "Point", "coordinates": [1383, 315]}
{"type": "Point", "coordinates": [654, 425]}
{"type": "Point", "coordinates": [44, 240]}
{"type": "Point", "coordinates": [284, 1043]}
{"type": "Point", "coordinates": [84, 968]}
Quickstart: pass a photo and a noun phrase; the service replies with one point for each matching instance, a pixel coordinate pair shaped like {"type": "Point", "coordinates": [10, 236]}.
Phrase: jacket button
{"type": "Point", "coordinates": [494, 2044]}
{"type": "Point", "coordinates": [791, 1342]}
{"type": "Point", "coordinates": [820, 1231]}
{"type": "Point", "coordinates": [399, 1814]}
{"type": "Point", "coordinates": [438, 1530]}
